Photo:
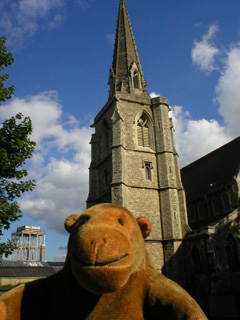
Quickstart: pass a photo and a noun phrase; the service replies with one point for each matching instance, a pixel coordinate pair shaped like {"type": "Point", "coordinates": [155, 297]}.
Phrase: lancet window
{"type": "Point", "coordinates": [135, 76]}
{"type": "Point", "coordinates": [148, 170]}
{"type": "Point", "coordinates": [143, 132]}
{"type": "Point", "coordinates": [136, 80]}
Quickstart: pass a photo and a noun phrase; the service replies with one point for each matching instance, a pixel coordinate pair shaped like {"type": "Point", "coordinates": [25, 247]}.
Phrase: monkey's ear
{"type": "Point", "coordinates": [70, 221]}
{"type": "Point", "coordinates": [145, 226]}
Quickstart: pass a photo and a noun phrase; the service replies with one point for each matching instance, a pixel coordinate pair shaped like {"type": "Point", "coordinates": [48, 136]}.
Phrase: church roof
{"type": "Point", "coordinates": [215, 170]}
{"type": "Point", "coordinates": [125, 50]}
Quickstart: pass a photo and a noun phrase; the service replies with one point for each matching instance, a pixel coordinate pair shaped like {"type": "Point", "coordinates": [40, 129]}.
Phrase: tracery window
{"type": "Point", "coordinates": [143, 132]}
{"type": "Point", "coordinates": [232, 254]}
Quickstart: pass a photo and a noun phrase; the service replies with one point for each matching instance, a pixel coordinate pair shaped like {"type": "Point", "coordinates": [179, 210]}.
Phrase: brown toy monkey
{"type": "Point", "coordinates": [107, 276]}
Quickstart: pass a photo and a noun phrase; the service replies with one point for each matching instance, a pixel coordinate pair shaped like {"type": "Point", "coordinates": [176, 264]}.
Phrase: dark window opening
{"type": "Point", "coordinates": [232, 254]}
{"type": "Point", "coordinates": [136, 80]}
{"type": "Point", "coordinates": [148, 170]}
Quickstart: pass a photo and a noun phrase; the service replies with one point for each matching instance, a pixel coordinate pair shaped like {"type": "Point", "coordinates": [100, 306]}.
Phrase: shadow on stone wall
{"type": "Point", "coordinates": [208, 279]}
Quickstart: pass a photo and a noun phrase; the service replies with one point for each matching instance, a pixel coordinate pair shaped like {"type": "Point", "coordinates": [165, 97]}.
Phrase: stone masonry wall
{"type": "Point", "coordinates": [144, 202]}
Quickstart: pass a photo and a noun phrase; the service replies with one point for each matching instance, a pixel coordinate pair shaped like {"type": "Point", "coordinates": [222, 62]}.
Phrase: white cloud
{"type": "Point", "coordinates": [60, 192]}
{"type": "Point", "coordinates": [204, 52]}
{"type": "Point", "coordinates": [57, 21]}
{"type": "Point", "coordinates": [84, 4]}
{"type": "Point", "coordinates": [60, 257]}
{"type": "Point", "coordinates": [154, 95]}
{"type": "Point", "coordinates": [111, 38]}
{"type": "Point", "coordinates": [228, 91]}
{"type": "Point", "coordinates": [22, 18]}
{"type": "Point", "coordinates": [49, 132]}
{"type": "Point", "coordinates": [60, 162]}
{"type": "Point", "coordinates": [227, 94]}
{"type": "Point", "coordinates": [34, 9]}
{"type": "Point", "coordinates": [195, 138]}
{"type": "Point", "coordinates": [44, 110]}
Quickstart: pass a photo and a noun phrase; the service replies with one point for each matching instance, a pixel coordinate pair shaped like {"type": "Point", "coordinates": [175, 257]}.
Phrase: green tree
{"type": "Point", "coordinates": [15, 149]}
{"type": "Point", "coordinates": [6, 60]}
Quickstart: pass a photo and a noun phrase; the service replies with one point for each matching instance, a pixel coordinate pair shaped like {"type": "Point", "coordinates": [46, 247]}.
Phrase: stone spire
{"type": "Point", "coordinates": [126, 74]}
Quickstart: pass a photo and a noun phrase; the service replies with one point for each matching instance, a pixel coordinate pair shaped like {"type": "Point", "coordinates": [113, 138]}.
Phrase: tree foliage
{"type": "Point", "coordinates": [15, 148]}
{"type": "Point", "coordinates": [6, 60]}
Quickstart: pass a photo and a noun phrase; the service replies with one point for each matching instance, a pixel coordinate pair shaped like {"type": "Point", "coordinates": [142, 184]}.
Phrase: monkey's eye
{"type": "Point", "coordinates": [121, 222]}
{"type": "Point", "coordinates": [84, 219]}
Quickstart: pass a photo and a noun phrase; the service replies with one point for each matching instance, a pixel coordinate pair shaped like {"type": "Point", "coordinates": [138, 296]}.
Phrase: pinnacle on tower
{"type": "Point", "coordinates": [126, 74]}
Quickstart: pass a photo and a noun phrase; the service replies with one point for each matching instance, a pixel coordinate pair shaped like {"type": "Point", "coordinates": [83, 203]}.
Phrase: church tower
{"type": "Point", "coordinates": [134, 162]}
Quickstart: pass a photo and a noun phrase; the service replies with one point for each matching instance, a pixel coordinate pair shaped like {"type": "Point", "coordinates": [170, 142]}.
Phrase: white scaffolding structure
{"type": "Point", "coordinates": [30, 244]}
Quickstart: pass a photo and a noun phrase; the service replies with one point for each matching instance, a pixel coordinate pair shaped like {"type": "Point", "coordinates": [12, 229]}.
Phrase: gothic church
{"type": "Point", "coordinates": [134, 161]}
{"type": "Point", "coordinates": [134, 164]}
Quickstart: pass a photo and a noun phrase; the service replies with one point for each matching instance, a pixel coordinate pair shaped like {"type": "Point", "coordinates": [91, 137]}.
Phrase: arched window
{"type": "Point", "coordinates": [196, 261]}
{"type": "Point", "coordinates": [143, 132]}
{"type": "Point", "coordinates": [135, 76]}
{"type": "Point", "coordinates": [136, 79]}
{"type": "Point", "coordinates": [232, 254]}
{"type": "Point", "coordinates": [148, 170]}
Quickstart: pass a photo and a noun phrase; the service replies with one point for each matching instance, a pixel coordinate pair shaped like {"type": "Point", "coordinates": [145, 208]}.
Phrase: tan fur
{"type": "Point", "coordinates": [3, 311]}
{"type": "Point", "coordinates": [107, 275]}
{"type": "Point", "coordinates": [12, 303]}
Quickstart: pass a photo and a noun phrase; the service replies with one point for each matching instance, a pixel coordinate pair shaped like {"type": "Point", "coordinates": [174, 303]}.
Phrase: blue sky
{"type": "Point", "coordinates": [189, 51]}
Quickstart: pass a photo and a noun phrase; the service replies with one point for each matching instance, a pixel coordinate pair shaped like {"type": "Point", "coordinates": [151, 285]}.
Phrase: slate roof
{"type": "Point", "coordinates": [23, 272]}
{"type": "Point", "coordinates": [7, 263]}
{"type": "Point", "coordinates": [215, 170]}
{"type": "Point", "coordinates": [17, 269]}
{"type": "Point", "coordinates": [56, 265]}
